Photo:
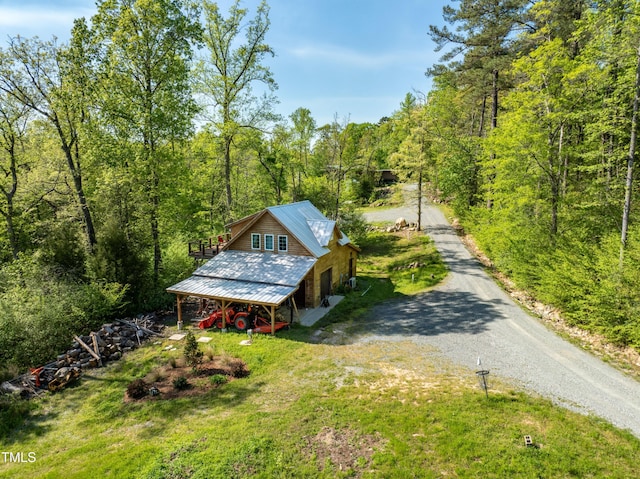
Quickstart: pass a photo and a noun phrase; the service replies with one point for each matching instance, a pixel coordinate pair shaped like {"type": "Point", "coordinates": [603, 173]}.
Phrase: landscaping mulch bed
{"type": "Point", "coordinates": [200, 382]}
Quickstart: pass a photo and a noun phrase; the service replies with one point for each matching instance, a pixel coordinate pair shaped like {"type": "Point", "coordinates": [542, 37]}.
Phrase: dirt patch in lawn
{"type": "Point", "coordinates": [345, 449]}
{"type": "Point", "coordinates": [211, 374]}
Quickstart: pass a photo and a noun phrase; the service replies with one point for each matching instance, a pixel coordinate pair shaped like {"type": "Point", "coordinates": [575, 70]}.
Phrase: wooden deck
{"type": "Point", "coordinates": [206, 249]}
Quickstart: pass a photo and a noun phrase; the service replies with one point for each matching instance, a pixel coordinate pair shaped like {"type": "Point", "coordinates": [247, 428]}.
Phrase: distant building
{"type": "Point", "coordinates": [386, 177]}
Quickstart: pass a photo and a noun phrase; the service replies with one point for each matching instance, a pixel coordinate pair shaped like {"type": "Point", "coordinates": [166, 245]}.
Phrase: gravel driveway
{"type": "Point", "coordinates": [469, 316]}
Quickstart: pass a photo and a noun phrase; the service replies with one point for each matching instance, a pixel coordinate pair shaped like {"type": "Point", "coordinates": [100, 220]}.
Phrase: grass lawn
{"type": "Point", "coordinates": [316, 410]}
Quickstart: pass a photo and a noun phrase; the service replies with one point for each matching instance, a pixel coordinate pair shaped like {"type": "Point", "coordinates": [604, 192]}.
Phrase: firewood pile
{"type": "Point", "coordinates": [90, 351]}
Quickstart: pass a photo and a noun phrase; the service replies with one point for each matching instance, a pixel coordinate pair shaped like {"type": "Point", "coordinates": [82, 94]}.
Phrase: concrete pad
{"type": "Point", "coordinates": [204, 339]}
{"type": "Point", "coordinates": [309, 317]}
{"type": "Point", "coordinates": [177, 337]}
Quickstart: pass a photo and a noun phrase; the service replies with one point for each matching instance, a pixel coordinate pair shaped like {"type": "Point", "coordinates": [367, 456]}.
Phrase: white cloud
{"type": "Point", "coordinates": [15, 17]}
{"type": "Point", "coordinates": [39, 20]}
{"type": "Point", "coordinates": [344, 56]}
{"type": "Point", "coordinates": [337, 55]}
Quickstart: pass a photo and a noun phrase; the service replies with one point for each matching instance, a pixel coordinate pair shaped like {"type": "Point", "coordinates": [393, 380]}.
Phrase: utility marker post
{"type": "Point", "coordinates": [482, 377]}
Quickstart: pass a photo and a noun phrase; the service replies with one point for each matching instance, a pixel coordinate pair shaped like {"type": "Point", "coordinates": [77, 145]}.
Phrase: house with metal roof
{"type": "Point", "coordinates": [283, 252]}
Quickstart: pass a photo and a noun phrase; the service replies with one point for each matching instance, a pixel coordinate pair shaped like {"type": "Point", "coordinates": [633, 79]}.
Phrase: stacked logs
{"type": "Point", "coordinates": [89, 351]}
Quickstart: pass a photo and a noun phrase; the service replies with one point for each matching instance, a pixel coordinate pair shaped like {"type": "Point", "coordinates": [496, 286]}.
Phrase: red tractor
{"type": "Point", "coordinates": [241, 320]}
{"type": "Point", "coordinates": [259, 324]}
{"type": "Point", "coordinates": [235, 317]}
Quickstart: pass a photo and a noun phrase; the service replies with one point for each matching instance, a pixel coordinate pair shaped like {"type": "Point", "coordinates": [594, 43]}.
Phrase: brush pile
{"type": "Point", "coordinates": [91, 351]}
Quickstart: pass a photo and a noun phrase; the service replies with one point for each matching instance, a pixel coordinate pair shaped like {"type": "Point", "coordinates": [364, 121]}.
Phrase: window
{"type": "Point", "coordinates": [255, 241]}
{"type": "Point", "coordinates": [268, 242]}
{"type": "Point", "coordinates": [282, 243]}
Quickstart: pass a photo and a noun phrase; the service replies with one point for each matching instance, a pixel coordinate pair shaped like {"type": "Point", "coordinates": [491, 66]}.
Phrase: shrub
{"type": "Point", "coordinates": [35, 331]}
{"type": "Point", "coordinates": [137, 389]}
{"type": "Point", "coordinates": [192, 355]}
{"type": "Point", "coordinates": [13, 411]}
{"type": "Point", "coordinates": [210, 352]}
{"type": "Point", "coordinates": [154, 376]}
{"type": "Point", "coordinates": [237, 368]}
{"type": "Point", "coordinates": [218, 379]}
{"type": "Point", "coordinates": [180, 383]}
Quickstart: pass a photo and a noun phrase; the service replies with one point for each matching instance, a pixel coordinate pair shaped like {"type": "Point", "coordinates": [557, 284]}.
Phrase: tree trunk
{"type": "Point", "coordinates": [76, 173]}
{"type": "Point", "coordinates": [337, 214]}
{"type": "Point", "coordinates": [227, 176]}
{"type": "Point", "coordinates": [155, 230]}
{"type": "Point", "coordinates": [9, 195]}
{"type": "Point", "coordinates": [494, 125]}
{"type": "Point", "coordinates": [630, 159]}
{"type": "Point", "coordinates": [420, 197]}
{"type": "Point", "coordinates": [555, 197]}
{"type": "Point", "coordinates": [483, 110]}
{"type": "Point", "coordinates": [494, 107]}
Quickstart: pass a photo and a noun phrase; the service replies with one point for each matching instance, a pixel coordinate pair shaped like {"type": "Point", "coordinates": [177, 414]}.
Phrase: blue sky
{"type": "Point", "coordinates": [350, 59]}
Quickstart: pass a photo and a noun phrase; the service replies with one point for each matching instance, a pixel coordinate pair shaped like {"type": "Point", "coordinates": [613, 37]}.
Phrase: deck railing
{"type": "Point", "coordinates": [207, 248]}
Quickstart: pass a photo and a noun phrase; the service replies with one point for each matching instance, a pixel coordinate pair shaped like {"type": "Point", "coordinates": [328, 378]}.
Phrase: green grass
{"type": "Point", "coordinates": [388, 255]}
{"type": "Point", "coordinates": [422, 417]}
{"type": "Point", "coordinates": [371, 410]}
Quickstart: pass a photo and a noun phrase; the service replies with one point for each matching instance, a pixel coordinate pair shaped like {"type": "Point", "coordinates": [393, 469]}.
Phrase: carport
{"type": "Point", "coordinates": [264, 279]}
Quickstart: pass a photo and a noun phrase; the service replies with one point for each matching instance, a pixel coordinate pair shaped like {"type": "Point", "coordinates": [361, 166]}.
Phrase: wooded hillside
{"type": "Point", "coordinates": [144, 132]}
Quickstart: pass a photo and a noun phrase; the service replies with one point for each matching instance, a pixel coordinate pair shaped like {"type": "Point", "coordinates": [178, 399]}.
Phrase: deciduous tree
{"type": "Point", "coordinates": [304, 128]}
{"type": "Point", "coordinates": [146, 99]}
{"type": "Point", "coordinates": [40, 75]}
{"type": "Point", "coordinates": [227, 77]}
{"type": "Point", "coordinates": [13, 123]}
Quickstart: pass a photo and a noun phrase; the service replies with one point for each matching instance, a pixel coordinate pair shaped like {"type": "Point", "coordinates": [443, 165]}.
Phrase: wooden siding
{"type": "Point", "coordinates": [338, 260]}
{"type": "Point", "coordinates": [268, 225]}
{"type": "Point", "coordinates": [238, 226]}
{"type": "Point", "coordinates": [309, 291]}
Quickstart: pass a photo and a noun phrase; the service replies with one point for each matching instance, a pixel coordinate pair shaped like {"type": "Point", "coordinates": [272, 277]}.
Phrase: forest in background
{"type": "Point", "coordinates": [154, 125]}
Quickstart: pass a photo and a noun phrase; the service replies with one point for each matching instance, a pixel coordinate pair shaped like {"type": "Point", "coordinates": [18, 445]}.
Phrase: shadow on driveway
{"type": "Point", "coordinates": [428, 314]}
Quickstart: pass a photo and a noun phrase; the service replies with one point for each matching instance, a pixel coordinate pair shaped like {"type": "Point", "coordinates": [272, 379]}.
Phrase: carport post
{"type": "Point", "coordinates": [295, 307]}
{"type": "Point", "coordinates": [224, 314]}
{"type": "Point", "coordinates": [273, 319]}
{"type": "Point", "coordinates": [179, 298]}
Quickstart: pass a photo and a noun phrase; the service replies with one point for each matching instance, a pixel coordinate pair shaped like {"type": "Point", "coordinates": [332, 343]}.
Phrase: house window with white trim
{"type": "Point", "coordinates": [283, 243]}
{"type": "Point", "coordinates": [255, 240]}
{"type": "Point", "coordinates": [268, 242]}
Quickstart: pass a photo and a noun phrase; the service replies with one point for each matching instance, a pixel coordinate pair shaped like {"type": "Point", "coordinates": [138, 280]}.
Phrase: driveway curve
{"type": "Point", "coordinates": [469, 316]}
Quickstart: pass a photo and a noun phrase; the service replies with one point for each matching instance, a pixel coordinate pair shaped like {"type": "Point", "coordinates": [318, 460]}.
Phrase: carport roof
{"type": "Point", "coordinates": [246, 277]}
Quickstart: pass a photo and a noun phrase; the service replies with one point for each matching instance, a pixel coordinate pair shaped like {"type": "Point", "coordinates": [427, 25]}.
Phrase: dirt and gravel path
{"type": "Point", "coordinates": [469, 316]}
